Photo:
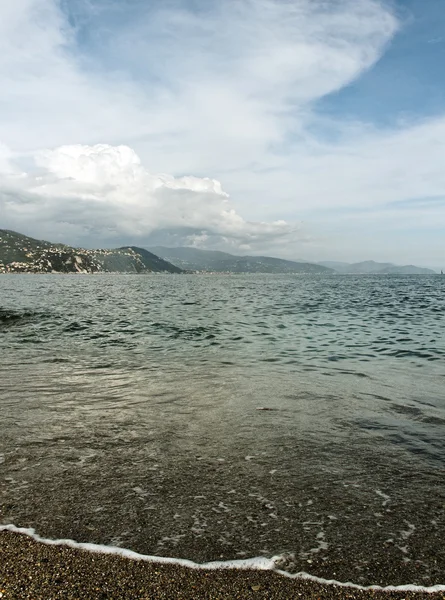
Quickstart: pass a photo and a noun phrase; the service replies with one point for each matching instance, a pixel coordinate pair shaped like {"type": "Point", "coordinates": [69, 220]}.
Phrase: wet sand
{"type": "Point", "coordinates": [37, 571]}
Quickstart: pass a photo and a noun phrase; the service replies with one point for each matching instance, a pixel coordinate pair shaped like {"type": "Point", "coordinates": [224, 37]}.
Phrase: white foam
{"type": "Point", "coordinates": [259, 563]}
{"type": "Point", "coordinates": [385, 497]}
{"type": "Point", "coordinates": [322, 544]}
{"type": "Point", "coordinates": [407, 533]}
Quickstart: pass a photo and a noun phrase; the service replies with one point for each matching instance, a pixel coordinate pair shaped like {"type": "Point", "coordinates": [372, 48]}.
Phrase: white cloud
{"type": "Point", "coordinates": [105, 191]}
{"type": "Point", "coordinates": [210, 89]}
{"type": "Point", "coordinates": [366, 168]}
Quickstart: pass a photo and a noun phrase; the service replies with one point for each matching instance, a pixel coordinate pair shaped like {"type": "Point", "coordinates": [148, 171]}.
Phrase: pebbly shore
{"type": "Point", "coordinates": [38, 571]}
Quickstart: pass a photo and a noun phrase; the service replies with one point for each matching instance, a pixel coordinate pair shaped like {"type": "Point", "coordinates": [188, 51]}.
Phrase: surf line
{"type": "Point", "coordinates": [260, 563]}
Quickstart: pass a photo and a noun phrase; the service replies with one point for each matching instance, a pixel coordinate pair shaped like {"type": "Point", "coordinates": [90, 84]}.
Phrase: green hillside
{"type": "Point", "coordinates": [22, 254]}
{"type": "Point", "coordinates": [194, 259]}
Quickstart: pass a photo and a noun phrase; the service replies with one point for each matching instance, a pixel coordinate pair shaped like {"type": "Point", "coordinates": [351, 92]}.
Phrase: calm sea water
{"type": "Point", "coordinates": [130, 415]}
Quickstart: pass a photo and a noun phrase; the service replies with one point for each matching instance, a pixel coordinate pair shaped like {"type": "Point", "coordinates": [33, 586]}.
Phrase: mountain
{"type": "Point", "coordinates": [194, 259]}
{"type": "Point", "coordinates": [371, 267]}
{"type": "Point", "coordinates": [22, 254]}
{"type": "Point", "coordinates": [156, 263]}
{"type": "Point", "coordinates": [407, 270]}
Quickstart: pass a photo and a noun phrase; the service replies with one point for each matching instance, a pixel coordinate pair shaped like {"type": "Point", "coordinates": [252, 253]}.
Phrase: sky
{"type": "Point", "coordinates": [304, 129]}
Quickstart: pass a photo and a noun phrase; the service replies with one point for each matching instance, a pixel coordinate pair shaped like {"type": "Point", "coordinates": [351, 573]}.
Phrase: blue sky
{"type": "Point", "coordinates": [299, 128]}
{"type": "Point", "coordinates": [408, 81]}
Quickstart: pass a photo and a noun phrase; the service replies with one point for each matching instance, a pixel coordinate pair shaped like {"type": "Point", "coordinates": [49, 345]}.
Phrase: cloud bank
{"type": "Point", "coordinates": [103, 195]}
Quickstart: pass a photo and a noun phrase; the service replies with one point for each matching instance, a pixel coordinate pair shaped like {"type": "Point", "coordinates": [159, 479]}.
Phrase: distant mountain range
{"type": "Point", "coordinates": [370, 267]}
{"type": "Point", "coordinates": [194, 259]}
{"type": "Point", "coordinates": [22, 254]}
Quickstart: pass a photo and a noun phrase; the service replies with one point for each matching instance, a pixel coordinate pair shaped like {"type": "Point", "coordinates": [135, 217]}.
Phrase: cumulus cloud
{"type": "Point", "coordinates": [102, 193]}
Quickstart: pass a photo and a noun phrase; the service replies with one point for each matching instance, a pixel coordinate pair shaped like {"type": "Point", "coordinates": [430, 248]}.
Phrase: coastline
{"type": "Point", "coordinates": [31, 569]}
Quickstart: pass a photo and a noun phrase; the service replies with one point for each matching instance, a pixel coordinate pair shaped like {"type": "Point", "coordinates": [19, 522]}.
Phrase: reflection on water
{"type": "Point", "coordinates": [130, 415]}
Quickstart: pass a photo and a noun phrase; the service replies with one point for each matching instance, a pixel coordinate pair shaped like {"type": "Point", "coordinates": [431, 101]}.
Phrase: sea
{"type": "Point", "coordinates": [299, 418]}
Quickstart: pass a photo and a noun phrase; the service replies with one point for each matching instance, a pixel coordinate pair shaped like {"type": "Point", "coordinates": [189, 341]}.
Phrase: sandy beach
{"type": "Point", "coordinates": [37, 571]}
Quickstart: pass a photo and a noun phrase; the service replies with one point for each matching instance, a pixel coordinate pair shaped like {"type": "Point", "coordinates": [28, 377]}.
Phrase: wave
{"type": "Point", "coordinates": [192, 332]}
{"type": "Point", "coordinates": [11, 317]}
{"type": "Point", "coordinates": [258, 563]}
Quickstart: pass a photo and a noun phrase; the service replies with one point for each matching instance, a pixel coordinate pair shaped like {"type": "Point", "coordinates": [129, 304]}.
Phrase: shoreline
{"type": "Point", "coordinates": [30, 568]}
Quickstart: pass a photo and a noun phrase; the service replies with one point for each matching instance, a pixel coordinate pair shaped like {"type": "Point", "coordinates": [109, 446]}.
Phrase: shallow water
{"type": "Point", "coordinates": [130, 416]}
